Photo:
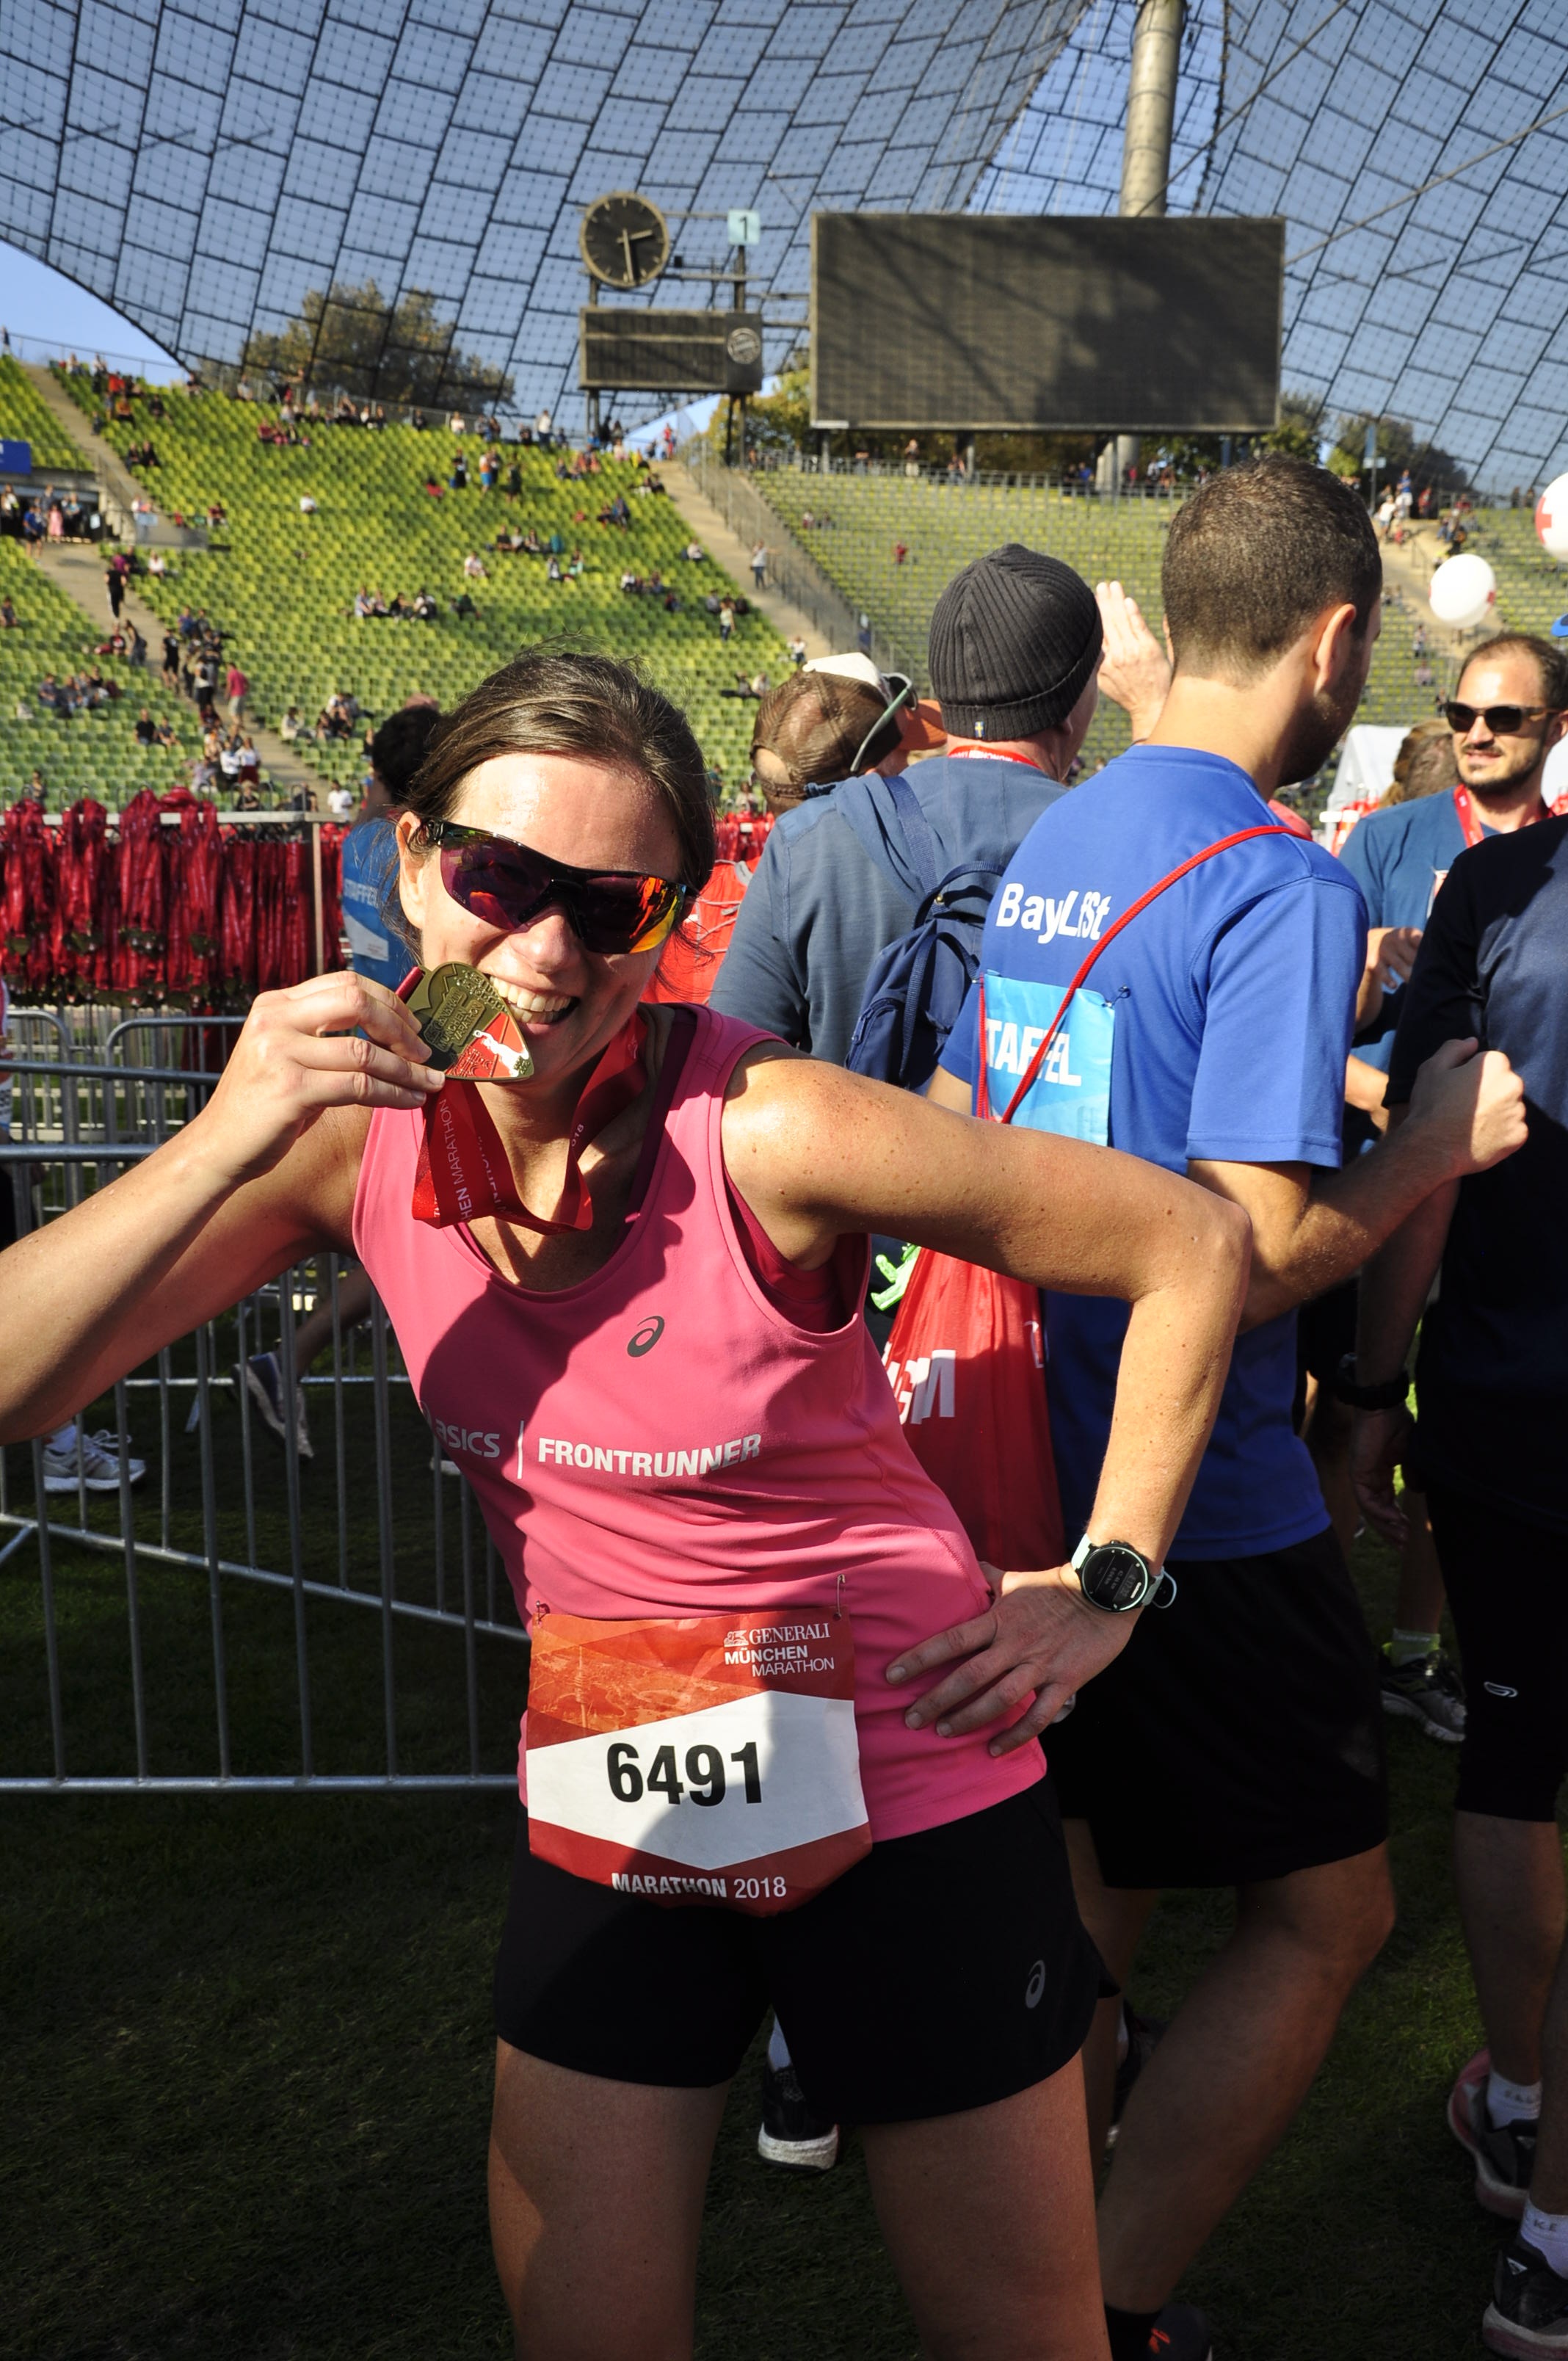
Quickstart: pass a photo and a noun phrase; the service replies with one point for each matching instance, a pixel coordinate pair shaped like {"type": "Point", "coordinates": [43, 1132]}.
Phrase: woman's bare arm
{"type": "Point", "coordinates": [265, 1173]}
{"type": "Point", "coordinates": [817, 1152]}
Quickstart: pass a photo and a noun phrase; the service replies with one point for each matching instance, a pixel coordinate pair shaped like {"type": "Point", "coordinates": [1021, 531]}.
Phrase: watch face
{"type": "Point", "coordinates": [1114, 1577]}
{"type": "Point", "coordinates": [624, 240]}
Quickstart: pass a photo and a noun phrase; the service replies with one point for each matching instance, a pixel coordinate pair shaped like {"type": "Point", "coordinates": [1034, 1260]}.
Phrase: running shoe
{"type": "Point", "coordinates": [1528, 2310]}
{"type": "Point", "coordinates": [1143, 2036]}
{"type": "Point", "coordinates": [93, 1460]}
{"type": "Point", "coordinates": [1427, 1690]}
{"type": "Point", "coordinates": [1504, 2153]}
{"type": "Point", "coordinates": [263, 1380]}
{"type": "Point", "coordinates": [1181, 2333]}
{"type": "Point", "coordinates": [790, 2136]}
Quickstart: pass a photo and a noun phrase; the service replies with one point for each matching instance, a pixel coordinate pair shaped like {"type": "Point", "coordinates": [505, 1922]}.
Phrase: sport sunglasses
{"type": "Point", "coordinates": [1502, 720]}
{"type": "Point", "coordinates": [507, 884]}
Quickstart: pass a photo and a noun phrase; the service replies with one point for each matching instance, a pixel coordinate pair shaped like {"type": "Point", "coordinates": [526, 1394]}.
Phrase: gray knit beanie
{"type": "Point", "coordinates": [1015, 638]}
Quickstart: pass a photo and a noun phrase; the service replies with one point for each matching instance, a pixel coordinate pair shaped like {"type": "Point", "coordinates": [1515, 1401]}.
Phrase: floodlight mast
{"type": "Point", "coordinates": [1146, 144]}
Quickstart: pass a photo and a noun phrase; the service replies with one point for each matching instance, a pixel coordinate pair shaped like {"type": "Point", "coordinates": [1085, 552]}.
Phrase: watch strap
{"type": "Point", "coordinates": [1388, 1393]}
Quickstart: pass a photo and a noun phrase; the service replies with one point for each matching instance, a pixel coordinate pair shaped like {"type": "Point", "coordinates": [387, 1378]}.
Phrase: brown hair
{"type": "Point", "coordinates": [1549, 660]}
{"type": "Point", "coordinates": [814, 724]}
{"type": "Point", "coordinates": [1257, 553]}
{"type": "Point", "coordinates": [547, 702]}
{"type": "Point", "coordinates": [1424, 764]}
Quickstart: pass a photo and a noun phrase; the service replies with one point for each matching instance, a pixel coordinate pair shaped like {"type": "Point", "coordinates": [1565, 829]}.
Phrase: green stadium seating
{"type": "Point", "coordinates": [281, 584]}
{"type": "Point", "coordinates": [25, 417]}
{"type": "Point", "coordinates": [864, 519]}
{"type": "Point", "coordinates": [93, 753]}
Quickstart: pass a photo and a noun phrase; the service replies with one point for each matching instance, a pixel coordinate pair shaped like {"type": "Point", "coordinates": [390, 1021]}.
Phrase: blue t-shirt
{"type": "Point", "coordinates": [1230, 1005]}
{"type": "Point", "coordinates": [1400, 858]}
{"type": "Point", "coordinates": [369, 874]}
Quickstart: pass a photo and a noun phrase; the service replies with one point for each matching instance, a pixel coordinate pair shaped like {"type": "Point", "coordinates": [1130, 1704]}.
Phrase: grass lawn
{"type": "Point", "coordinates": [247, 2050]}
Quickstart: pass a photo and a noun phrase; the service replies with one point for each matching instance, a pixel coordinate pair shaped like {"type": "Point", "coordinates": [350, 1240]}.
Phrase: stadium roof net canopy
{"type": "Point", "coordinates": [215, 172]}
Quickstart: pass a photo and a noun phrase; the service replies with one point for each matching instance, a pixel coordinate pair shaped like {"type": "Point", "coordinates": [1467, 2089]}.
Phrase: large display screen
{"type": "Point", "coordinates": [1023, 321]}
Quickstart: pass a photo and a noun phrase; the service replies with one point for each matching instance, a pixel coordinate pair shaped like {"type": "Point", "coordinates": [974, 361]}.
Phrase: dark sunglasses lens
{"type": "Point", "coordinates": [625, 914]}
{"type": "Point", "coordinates": [503, 884]}
{"type": "Point", "coordinates": [506, 885]}
{"type": "Point", "coordinates": [1502, 720]}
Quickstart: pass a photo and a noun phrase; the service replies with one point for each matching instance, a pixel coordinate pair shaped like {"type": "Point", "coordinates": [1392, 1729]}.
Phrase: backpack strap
{"type": "Point", "coordinates": [918, 842]}
{"type": "Point", "coordinates": [982, 1095]}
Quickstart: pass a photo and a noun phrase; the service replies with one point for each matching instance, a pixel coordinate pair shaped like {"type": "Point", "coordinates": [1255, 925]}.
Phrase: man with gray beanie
{"type": "Point", "coordinates": [1016, 648]}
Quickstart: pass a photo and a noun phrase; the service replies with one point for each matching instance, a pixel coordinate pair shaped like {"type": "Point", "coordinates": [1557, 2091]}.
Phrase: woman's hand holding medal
{"type": "Point", "coordinates": [299, 1053]}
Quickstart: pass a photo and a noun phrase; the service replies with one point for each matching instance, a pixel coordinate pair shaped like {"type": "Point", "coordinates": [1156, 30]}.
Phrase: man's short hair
{"type": "Point", "coordinates": [400, 745]}
{"type": "Point", "coordinates": [1551, 662]}
{"type": "Point", "coordinates": [1254, 555]}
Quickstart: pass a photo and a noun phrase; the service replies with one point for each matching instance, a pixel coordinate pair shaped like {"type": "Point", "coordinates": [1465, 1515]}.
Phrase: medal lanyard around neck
{"type": "Point", "coordinates": [990, 755]}
{"type": "Point", "coordinates": [1470, 819]}
{"type": "Point", "coordinates": [464, 1171]}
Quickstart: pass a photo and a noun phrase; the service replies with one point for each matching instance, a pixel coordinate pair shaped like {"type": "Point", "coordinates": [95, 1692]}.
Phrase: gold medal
{"type": "Point", "coordinates": [468, 1027]}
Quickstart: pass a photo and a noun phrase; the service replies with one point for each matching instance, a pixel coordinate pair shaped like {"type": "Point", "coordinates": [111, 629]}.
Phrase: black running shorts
{"type": "Point", "coordinates": [946, 1970]}
{"type": "Point", "coordinates": [1239, 1734]}
{"type": "Point", "coordinates": [1507, 1588]}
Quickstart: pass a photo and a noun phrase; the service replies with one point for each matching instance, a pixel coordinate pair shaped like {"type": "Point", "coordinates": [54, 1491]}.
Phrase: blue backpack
{"type": "Point", "coordinates": [918, 984]}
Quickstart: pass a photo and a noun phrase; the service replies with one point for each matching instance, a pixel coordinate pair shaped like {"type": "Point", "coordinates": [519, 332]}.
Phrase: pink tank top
{"type": "Point", "coordinates": [662, 1439]}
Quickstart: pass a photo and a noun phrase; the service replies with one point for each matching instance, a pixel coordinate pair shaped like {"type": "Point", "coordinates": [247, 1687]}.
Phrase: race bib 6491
{"type": "Point", "coordinates": [707, 1758]}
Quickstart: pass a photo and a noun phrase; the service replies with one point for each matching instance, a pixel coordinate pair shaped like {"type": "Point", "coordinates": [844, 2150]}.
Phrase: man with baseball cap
{"type": "Point", "coordinates": [1016, 647]}
{"type": "Point", "coordinates": [835, 718]}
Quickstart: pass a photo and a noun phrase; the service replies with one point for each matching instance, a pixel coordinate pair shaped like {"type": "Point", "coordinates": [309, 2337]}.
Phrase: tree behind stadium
{"type": "Point", "coordinates": [356, 340]}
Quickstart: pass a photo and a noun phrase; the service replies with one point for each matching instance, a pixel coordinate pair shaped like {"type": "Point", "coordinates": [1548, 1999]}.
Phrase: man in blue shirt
{"type": "Point", "coordinates": [1236, 1739]}
{"type": "Point", "coordinates": [1492, 1381]}
{"type": "Point", "coordinates": [1506, 715]}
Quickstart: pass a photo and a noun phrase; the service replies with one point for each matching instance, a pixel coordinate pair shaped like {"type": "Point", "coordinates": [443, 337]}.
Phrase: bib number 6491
{"type": "Point", "coordinates": [707, 1781]}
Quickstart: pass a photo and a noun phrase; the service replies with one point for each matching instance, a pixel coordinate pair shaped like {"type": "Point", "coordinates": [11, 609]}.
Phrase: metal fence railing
{"type": "Point", "coordinates": [282, 1582]}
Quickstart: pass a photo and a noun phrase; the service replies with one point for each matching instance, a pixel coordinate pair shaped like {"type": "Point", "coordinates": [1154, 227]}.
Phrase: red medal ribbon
{"type": "Point", "coordinates": [1470, 819]}
{"type": "Point", "coordinates": [464, 1171]}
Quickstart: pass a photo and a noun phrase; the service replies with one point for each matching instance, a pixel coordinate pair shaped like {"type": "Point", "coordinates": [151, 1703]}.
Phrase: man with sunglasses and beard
{"type": "Point", "coordinates": [1506, 715]}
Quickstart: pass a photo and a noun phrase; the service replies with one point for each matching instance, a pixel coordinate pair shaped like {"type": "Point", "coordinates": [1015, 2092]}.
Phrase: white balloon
{"type": "Point", "coordinates": [1551, 517]}
{"type": "Point", "coordinates": [1463, 592]}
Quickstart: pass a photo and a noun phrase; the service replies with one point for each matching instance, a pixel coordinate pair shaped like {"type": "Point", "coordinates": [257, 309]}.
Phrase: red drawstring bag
{"type": "Point", "coordinates": [966, 1357]}
{"type": "Point", "coordinates": [966, 1362]}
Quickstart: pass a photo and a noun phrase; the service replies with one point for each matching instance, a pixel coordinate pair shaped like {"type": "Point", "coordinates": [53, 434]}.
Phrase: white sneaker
{"type": "Point", "coordinates": [93, 1460]}
{"type": "Point", "coordinates": [264, 1383]}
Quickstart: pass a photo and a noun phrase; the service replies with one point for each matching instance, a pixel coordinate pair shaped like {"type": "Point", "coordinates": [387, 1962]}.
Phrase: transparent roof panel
{"type": "Point", "coordinates": [406, 176]}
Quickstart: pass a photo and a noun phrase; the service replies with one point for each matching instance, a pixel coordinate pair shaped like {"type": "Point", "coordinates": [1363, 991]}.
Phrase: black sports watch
{"type": "Point", "coordinates": [1117, 1578]}
{"type": "Point", "coordinates": [1388, 1393]}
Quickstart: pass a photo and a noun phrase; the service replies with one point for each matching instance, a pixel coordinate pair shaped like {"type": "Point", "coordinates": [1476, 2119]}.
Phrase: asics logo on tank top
{"type": "Point", "coordinates": [473, 1440]}
{"type": "Point", "coordinates": [1078, 915]}
{"type": "Point", "coordinates": [1033, 1990]}
{"type": "Point", "coordinates": [646, 1337]}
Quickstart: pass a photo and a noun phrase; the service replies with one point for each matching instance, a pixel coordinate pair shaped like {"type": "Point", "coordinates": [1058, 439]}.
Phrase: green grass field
{"type": "Point", "coordinates": [249, 2046]}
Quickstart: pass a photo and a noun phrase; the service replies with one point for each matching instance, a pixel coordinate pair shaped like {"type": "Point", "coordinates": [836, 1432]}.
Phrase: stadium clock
{"type": "Point", "coordinates": [625, 241]}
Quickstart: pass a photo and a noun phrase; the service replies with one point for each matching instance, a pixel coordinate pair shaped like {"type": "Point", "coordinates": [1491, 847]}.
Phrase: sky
{"type": "Point", "coordinates": [47, 315]}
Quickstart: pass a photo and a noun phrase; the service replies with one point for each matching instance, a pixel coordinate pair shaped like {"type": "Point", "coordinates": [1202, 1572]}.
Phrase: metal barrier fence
{"type": "Point", "coordinates": [237, 1518]}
